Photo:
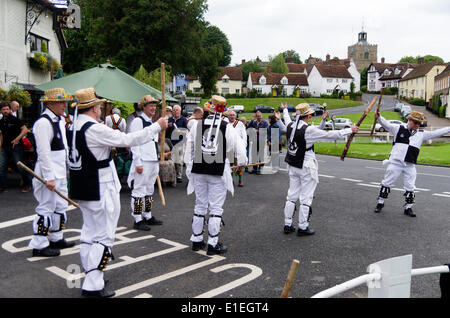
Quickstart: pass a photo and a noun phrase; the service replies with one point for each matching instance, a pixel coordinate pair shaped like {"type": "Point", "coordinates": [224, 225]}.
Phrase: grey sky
{"type": "Point", "coordinates": [317, 27]}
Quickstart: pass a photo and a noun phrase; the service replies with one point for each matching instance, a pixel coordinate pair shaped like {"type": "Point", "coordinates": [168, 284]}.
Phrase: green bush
{"type": "Point", "coordinates": [417, 102]}
{"type": "Point", "coordinates": [442, 110]}
{"type": "Point", "coordinates": [364, 88]}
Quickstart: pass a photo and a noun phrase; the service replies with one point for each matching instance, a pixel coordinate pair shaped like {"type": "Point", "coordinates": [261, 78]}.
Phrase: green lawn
{"type": "Point", "coordinates": [275, 102]}
{"type": "Point", "coordinates": [436, 153]}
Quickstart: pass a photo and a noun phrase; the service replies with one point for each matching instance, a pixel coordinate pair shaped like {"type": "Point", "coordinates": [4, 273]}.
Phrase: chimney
{"type": "Point", "coordinates": [289, 59]}
{"type": "Point", "coordinates": [328, 57]}
{"type": "Point", "coordinates": [421, 60]}
{"type": "Point", "coordinates": [382, 60]}
{"type": "Point", "coordinates": [270, 68]}
{"type": "Point", "coordinates": [243, 61]}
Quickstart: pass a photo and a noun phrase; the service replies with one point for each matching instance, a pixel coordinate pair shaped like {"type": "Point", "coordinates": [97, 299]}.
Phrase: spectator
{"type": "Point", "coordinates": [131, 117]}
{"type": "Point", "coordinates": [176, 133]}
{"type": "Point", "coordinates": [15, 108]}
{"type": "Point", "coordinates": [13, 130]}
{"type": "Point", "coordinates": [167, 171]}
{"type": "Point", "coordinates": [274, 125]}
{"type": "Point", "coordinates": [116, 122]}
{"type": "Point", "coordinates": [197, 115]}
{"type": "Point", "coordinates": [242, 133]}
{"type": "Point", "coordinates": [259, 124]}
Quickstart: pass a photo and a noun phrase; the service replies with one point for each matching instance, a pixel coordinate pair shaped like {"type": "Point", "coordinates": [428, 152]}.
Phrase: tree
{"type": "Point", "coordinates": [278, 64]}
{"type": "Point", "coordinates": [352, 87]}
{"type": "Point", "coordinates": [207, 68]}
{"type": "Point", "coordinates": [427, 58]}
{"type": "Point", "coordinates": [295, 57]}
{"type": "Point", "coordinates": [215, 37]}
{"type": "Point", "coordinates": [364, 76]}
{"type": "Point", "coordinates": [248, 67]}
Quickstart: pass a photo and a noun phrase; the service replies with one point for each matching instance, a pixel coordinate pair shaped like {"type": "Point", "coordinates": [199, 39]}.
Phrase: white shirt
{"type": "Point", "coordinates": [122, 125]}
{"type": "Point", "coordinates": [399, 150]}
{"type": "Point", "coordinates": [50, 164]}
{"type": "Point", "coordinates": [241, 131]}
{"type": "Point", "coordinates": [147, 151]}
{"type": "Point", "coordinates": [130, 119]}
{"type": "Point", "coordinates": [100, 139]}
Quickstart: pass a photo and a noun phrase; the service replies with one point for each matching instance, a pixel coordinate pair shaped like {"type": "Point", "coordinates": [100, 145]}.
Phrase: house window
{"type": "Point", "coordinates": [259, 90]}
{"type": "Point", "coordinates": [284, 81]}
{"type": "Point", "coordinates": [329, 80]}
{"type": "Point", "coordinates": [225, 80]}
{"type": "Point", "coordinates": [36, 42]}
{"type": "Point", "coordinates": [344, 81]}
{"type": "Point", "coordinates": [238, 91]}
{"type": "Point", "coordinates": [329, 91]}
{"type": "Point", "coordinates": [197, 90]}
{"type": "Point", "coordinates": [225, 90]}
{"type": "Point", "coordinates": [262, 81]}
{"type": "Point", "coordinates": [178, 89]}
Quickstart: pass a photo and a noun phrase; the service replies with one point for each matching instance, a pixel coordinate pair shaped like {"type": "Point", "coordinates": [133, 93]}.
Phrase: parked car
{"type": "Point", "coordinates": [236, 108]}
{"type": "Point", "coordinates": [339, 123]}
{"type": "Point", "coordinates": [318, 109]}
{"type": "Point", "coordinates": [290, 108]}
{"type": "Point", "coordinates": [380, 128]}
{"type": "Point", "coordinates": [264, 109]}
{"type": "Point", "coordinates": [398, 107]}
{"type": "Point", "coordinates": [188, 109]}
{"type": "Point", "coordinates": [406, 110]}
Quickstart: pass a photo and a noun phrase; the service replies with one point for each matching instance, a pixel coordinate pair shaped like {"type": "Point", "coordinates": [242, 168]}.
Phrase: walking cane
{"type": "Point", "coordinates": [163, 133]}
{"type": "Point", "coordinates": [45, 182]}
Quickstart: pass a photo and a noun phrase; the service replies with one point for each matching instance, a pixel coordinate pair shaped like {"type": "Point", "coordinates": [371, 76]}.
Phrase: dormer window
{"type": "Point", "coordinates": [262, 80]}
{"type": "Point", "coordinates": [397, 71]}
{"type": "Point", "coordinates": [284, 81]}
{"type": "Point", "coordinates": [225, 79]}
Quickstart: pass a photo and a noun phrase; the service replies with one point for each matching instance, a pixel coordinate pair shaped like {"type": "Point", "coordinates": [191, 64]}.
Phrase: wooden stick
{"type": "Point", "coordinates": [290, 279]}
{"type": "Point", "coordinates": [45, 182]}
{"type": "Point", "coordinates": [378, 109]}
{"type": "Point", "coordinates": [249, 165]}
{"type": "Point", "coordinates": [161, 193]}
{"type": "Point", "coordinates": [347, 146]}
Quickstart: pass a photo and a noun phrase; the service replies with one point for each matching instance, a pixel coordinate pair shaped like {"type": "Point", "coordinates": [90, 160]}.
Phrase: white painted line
{"type": "Point", "coordinates": [325, 176]}
{"type": "Point", "coordinates": [368, 185]}
{"type": "Point", "coordinates": [144, 295]}
{"type": "Point", "coordinates": [441, 195]}
{"type": "Point", "coordinates": [255, 273]}
{"type": "Point", "coordinates": [420, 189]}
{"type": "Point", "coordinates": [377, 183]}
{"type": "Point", "coordinates": [352, 180]}
{"type": "Point", "coordinates": [446, 192]}
{"type": "Point", "coordinates": [158, 279]}
{"type": "Point", "coordinates": [26, 219]}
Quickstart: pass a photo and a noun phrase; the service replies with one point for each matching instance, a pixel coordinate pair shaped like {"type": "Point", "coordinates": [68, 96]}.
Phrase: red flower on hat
{"type": "Point", "coordinates": [220, 108]}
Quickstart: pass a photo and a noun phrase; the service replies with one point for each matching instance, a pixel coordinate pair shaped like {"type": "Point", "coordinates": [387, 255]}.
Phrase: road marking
{"type": "Point", "coordinates": [255, 273]}
{"type": "Point", "coordinates": [26, 219]}
{"type": "Point", "coordinates": [446, 192]}
{"type": "Point", "coordinates": [441, 195]}
{"type": "Point", "coordinates": [420, 189]}
{"type": "Point", "coordinates": [178, 272]}
{"type": "Point", "coordinates": [368, 185]}
{"type": "Point", "coordinates": [352, 180]}
{"type": "Point", "coordinates": [325, 176]}
{"type": "Point", "coordinates": [144, 295]}
{"type": "Point", "coordinates": [425, 174]}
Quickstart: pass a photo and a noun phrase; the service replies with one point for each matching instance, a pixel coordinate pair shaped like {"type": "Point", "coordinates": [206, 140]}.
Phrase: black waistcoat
{"type": "Point", "coordinates": [216, 167]}
{"type": "Point", "coordinates": [297, 148]}
{"type": "Point", "coordinates": [403, 137]}
{"type": "Point", "coordinates": [146, 124]}
{"type": "Point", "coordinates": [57, 143]}
{"type": "Point", "coordinates": [84, 179]}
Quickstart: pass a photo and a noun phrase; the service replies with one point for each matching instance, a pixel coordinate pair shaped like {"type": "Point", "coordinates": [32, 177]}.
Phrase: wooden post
{"type": "Point", "coordinates": [290, 279]}
{"type": "Point", "coordinates": [163, 133]}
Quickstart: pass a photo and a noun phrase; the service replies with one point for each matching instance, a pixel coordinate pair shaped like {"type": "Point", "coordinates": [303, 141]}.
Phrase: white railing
{"type": "Point", "coordinates": [390, 278]}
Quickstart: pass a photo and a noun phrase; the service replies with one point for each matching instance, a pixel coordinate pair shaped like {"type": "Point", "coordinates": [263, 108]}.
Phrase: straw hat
{"type": "Point", "coordinates": [147, 99]}
{"type": "Point", "coordinates": [417, 117]}
{"type": "Point", "coordinates": [86, 98]}
{"type": "Point", "coordinates": [304, 109]}
{"type": "Point", "coordinates": [217, 104]}
{"type": "Point", "coordinates": [56, 95]}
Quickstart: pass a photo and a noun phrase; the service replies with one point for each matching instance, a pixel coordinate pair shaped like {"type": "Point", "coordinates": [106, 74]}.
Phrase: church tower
{"type": "Point", "coordinates": [363, 53]}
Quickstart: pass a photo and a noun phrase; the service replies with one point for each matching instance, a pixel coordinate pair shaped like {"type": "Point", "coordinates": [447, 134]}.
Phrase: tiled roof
{"type": "Point", "coordinates": [444, 73]}
{"type": "Point", "coordinates": [296, 68]}
{"type": "Point", "coordinates": [275, 78]}
{"type": "Point", "coordinates": [233, 72]}
{"type": "Point", "coordinates": [421, 70]}
{"type": "Point", "coordinates": [402, 66]}
{"type": "Point", "coordinates": [380, 67]}
{"type": "Point", "coordinates": [334, 71]}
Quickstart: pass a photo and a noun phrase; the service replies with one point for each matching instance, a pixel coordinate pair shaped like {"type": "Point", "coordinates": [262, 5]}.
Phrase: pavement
{"type": "Point", "coordinates": [161, 264]}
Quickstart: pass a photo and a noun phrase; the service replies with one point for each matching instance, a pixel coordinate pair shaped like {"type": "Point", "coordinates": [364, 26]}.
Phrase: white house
{"type": "Point", "coordinates": [383, 74]}
{"type": "Point", "coordinates": [272, 83]}
{"type": "Point", "coordinates": [229, 81]}
{"type": "Point", "coordinates": [24, 26]}
{"type": "Point", "coordinates": [324, 79]}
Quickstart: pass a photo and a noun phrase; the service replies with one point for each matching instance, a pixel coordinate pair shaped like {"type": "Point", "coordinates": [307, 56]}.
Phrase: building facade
{"type": "Point", "coordinates": [229, 81]}
{"type": "Point", "coordinates": [442, 88]}
{"type": "Point", "coordinates": [278, 84]}
{"type": "Point", "coordinates": [324, 79]}
{"type": "Point", "coordinates": [363, 53]}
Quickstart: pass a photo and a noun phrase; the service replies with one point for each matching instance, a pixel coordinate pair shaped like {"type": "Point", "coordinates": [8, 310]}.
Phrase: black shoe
{"type": "Point", "coordinates": [98, 293]}
{"type": "Point", "coordinates": [46, 252]}
{"type": "Point", "coordinates": [153, 221]}
{"type": "Point", "coordinates": [179, 180]}
{"type": "Point", "coordinates": [141, 225]}
{"type": "Point", "coordinates": [379, 207]}
{"type": "Point", "coordinates": [218, 249]}
{"type": "Point", "coordinates": [288, 229]}
{"type": "Point", "coordinates": [258, 172]}
{"type": "Point", "coordinates": [306, 232]}
{"type": "Point", "coordinates": [61, 244]}
{"type": "Point", "coordinates": [197, 246]}
{"type": "Point", "coordinates": [409, 212]}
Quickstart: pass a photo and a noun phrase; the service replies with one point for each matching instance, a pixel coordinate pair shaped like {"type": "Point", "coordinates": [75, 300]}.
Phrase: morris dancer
{"type": "Point", "coordinates": [51, 149]}
{"type": "Point", "coordinates": [403, 158]}
{"type": "Point", "coordinates": [95, 183]}
{"type": "Point", "coordinates": [209, 173]}
{"type": "Point", "coordinates": [302, 165]}
{"type": "Point", "coordinates": [242, 132]}
{"type": "Point", "coordinates": [145, 169]}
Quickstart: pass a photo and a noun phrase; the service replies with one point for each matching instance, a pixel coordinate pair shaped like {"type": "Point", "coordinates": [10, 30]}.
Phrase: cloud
{"type": "Point", "coordinates": [267, 27]}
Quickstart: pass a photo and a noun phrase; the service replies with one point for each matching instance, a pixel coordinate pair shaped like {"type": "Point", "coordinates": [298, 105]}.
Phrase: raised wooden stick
{"type": "Point", "coordinates": [163, 133]}
{"type": "Point", "coordinates": [347, 146]}
{"type": "Point", "coordinates": [378, 109]}
{"type": "Point", "coordinates": [249, 165]}
{"type": "Point", "coordinates": [161, 193]}
{"type": "Point", "coordinates": [45, 182]}
{"type": "Point", "coordinates": [290, 279]}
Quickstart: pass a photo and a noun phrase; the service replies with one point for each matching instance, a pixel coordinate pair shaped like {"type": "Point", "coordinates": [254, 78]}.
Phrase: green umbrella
{"type": "Point", "coordinates": [109, 82]}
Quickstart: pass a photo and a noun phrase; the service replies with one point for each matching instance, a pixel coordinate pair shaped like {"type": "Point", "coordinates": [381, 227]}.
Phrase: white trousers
{"type": "Point", "coordinates": [51, 211]}
{"type": "Point", "coordinates": [210, 192]}
{"type": "Point", "coordinates": [302, 184]}
{"type": "Point", "coordinates": [144, 186]}
{"type": "Point", "coordinates": [394, 171]}
{"type": "Point", "coordinates": [98, 232]}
